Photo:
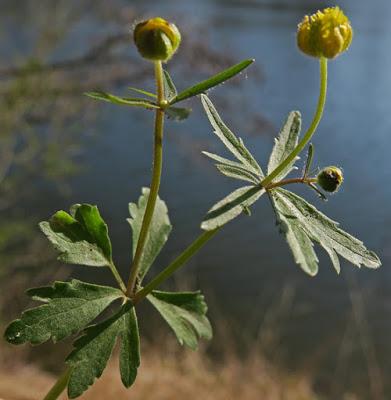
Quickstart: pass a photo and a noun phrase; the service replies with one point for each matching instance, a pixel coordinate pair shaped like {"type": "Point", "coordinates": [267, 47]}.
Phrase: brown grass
{"type": "Point", "coordinates": [170, 376]}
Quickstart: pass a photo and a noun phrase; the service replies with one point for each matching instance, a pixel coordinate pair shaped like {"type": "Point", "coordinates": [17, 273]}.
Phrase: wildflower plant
{"type": "Point", "coordinates": [81, 235]}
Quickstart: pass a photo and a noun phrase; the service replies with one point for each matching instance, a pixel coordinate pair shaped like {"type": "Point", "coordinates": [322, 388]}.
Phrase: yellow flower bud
{"type": "Point", "coordinates": [156, 39]}
{"type": "Point", "coordinates": [330, 179]}
{"type": "Point", "coordinates": [326, 33]}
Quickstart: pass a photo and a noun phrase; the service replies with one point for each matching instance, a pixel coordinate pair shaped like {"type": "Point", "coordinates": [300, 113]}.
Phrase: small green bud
{"type": "Point", "coordinates": [156, 39]}
{"type": "Point", "coordinates": [326, 33]}
{"type": "Point", "coordinates": [330, 179]}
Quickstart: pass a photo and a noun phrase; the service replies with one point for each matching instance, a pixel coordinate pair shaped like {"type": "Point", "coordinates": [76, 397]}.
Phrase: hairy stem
{"type": "Point", "coordinates": [312, 128]}
{"type": "Point", "coordinates": [155, 184]}
{"type": "Point", "coordinates": [267, 183]}
{"type": "Point", "coordinates": [117, 277]}
{"type": "Point", "coordinates": [176, 264]}
{"type": "Point", "coordinates": [59, 386]}
{"type": "Point", "coordinates": [290, 181]}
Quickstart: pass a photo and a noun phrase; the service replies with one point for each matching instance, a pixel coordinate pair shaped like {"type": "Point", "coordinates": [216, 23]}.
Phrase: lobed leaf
{"type": "Point", "coordinates": [302, 223]}
{"type": "Point", "coordinates": [231, 206]}
{"type": "Point", "coordinates": [232, 143]}
{"type": "Point", "coordinates": [81, 237]}
{"type": "Point", "coordinates": [185, 313]}
{"type": "Point", "coordinates": [70, 307]}
{"type": "Point", "coordinates": [284, 145]}
{"type": "Point", "coordinates": [211, 82]}
{"type": "Point", "coordinates": [123, 101]}
{"type": "Point", "coordinates": [158, 233]}
{"type": "Point", "coordinates": [237, 173]}
{"type": "Point", "coordinates": [93, 350]}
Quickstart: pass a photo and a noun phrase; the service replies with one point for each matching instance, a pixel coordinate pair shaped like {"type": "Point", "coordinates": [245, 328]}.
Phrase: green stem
{"type": "Point", "coordinates": [155, 184]}
{"type": "Point", "coordinates": [311, 130]}
{"type": "Point", "coordinates": [59, 386]}
{"type": "Point", "coordinates": [267, 183]}
{"type": "Point", "coordinates": [176, 264]}
{"type": "Point", "coordinates": [117, 277]}
{"type": "Point", "coordinates": [290, 181]}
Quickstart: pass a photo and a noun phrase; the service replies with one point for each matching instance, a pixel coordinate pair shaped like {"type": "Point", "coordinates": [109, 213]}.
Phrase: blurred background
{"type": "Point", "coordinates": [278, 333]}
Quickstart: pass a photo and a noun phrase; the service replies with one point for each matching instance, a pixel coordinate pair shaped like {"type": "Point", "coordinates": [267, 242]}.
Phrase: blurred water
{"type": "Point", "coordinates": [248, 266]}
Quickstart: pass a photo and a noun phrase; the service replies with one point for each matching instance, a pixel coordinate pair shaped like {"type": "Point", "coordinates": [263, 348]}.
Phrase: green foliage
{"type": "Point", "coordinates": [178, 113]}
{"type": "Point", "coordinates": [170, 91]}
{"type": "Point", "coordinates": [81, 237]}
{"type": "Point", "coordinates": [93, 350]}
{"type": "Point", "coordinates": [302, 223]}
{"type": "Point", "coordinates": [284, 145]}
{"type": "Point", "coordinates": [69, 307]}
{"type": "Point", "coordinates": [158, 234]}
{"type": "Point", "coordinates": [185, 313]}
{"type": "Point", "coordinates": [123, 101]}
{"type": "Point", "coordinates": [231, 206]}
{"type": "Point", "coordinates": [212, 82]}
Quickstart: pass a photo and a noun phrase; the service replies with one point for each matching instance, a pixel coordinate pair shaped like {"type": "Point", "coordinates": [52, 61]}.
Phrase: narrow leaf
{"type": "Point", "coordinates": [144, 92]}
{"type": "Point", "coordinates": [298, 215]}
{"type": "Point", "coordinates": [237, 173]}
{"type": "Point", "coordinates": [81, 238]}
{"type": "Point", "coordinates": [185, 312]}
{"type": "Point", "coordinates": [169, 88]}
{"type": "Point", "coordinates": [93, 350]}
{"type": "Point", "coordinates": [231, 206]}
{"type": "Point", "coordinates": [177, 113]}
{"type": "Point", "coordinates": [123, 101]}
{"type": "Point", "coordinates": [308, 163]}
{"type": "Point", "coordinates": [158, 233]}
{"type": "Point", "coordinates": [285, 143]}
{"type": "Point", "coordinates": [211, 82]}
{"type": "Point", "coordinates": [232, 143]}
{"type": "Point", "coordinates": [70, 307]}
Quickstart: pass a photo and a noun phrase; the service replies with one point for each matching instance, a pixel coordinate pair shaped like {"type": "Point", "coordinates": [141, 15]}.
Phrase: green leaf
{"type": "Point", "coordinates": [158, 233]}
{"type": "Point", "coordinates": [211, 82]}
{"type": "Point", "coordinates": [231, 206]}
{"type": "Point", "coordinates": [237, 173]}
{"type": "Point", "coordinates": [123, 101]}
{"type": "Point", "coordinates": [310, 157]}
{"type": "Point", "coordinates": [232, 143]}
{"type": "Point", "coordinates": [93, 350]}
{"type": "Point", "coordinates": [81, 238]}
{"type": "Point", "coordinates": [285, 143]}
{"type": "Point", "coordinates": [70, 307]}
{"type": "Point", "coordinates": [185, 312]}
{"type": "Point", "coordinates": [129, 358]}
{"type": "Point", "coordinates": [177, 113]}
{"type": "Point", "coordinates": [169, 88]}
{"type": "Point", "coordinates": [303, 224]}
{"type": "Point", "coordinates": [144, 92]}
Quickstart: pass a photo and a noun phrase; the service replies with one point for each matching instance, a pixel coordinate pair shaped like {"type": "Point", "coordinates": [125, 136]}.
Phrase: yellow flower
{"type": "Point", "coordinates": [156, 39]}
{"type": "Point", "coordinates": [326, 33]}
{"type": "Point", "coordinates": [330, 179]}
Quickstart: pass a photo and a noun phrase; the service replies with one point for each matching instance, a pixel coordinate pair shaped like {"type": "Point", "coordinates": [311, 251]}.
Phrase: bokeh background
{"type": "Point", "coordinates": [324, 337]}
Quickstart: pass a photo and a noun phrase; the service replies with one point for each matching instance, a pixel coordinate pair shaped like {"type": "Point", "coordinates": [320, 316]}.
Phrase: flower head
{"type": "Point", "coordinates": [156, 39]}
{"type": "Point", "coordinates": [326, 33]}
{"type": "Point", "coordinates": [330, 179]}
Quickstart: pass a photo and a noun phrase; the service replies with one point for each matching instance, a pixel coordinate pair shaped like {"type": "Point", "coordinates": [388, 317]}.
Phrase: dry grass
{"type": "Point", "coordinates": [171, 376]}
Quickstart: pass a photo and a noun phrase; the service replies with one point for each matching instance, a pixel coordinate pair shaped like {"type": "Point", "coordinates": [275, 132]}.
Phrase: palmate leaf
{"type": "Point", "coordinates": [185, 313]}
{"type": "Point", "coordinates": [69, 307]}
{"type": "Point", "coordinates": [123, 101]}
{"type": "Point", "coordinates": [285, 143]}
{"type": "Point", "coordinates": [158, 233]}
{"type": "Point", "coordinates": [231, 206]}
{"type": "Point", "coordinates": [93, 350]}
{"type": "Point", "coordinates": [303, 224]}
{"type": "Point", "coordinates": [81, 237]}
{"type": "Point", "coordinates": [212, 82]}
